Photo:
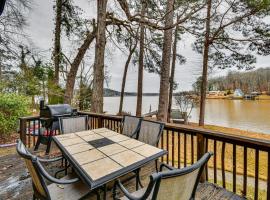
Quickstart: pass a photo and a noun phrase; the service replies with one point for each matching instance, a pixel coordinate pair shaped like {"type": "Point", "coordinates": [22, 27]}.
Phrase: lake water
{"type": "Point", "coordinates": [243, 114]}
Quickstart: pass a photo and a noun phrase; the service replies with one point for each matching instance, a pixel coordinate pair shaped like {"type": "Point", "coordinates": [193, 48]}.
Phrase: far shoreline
{"type": "Point", "coordinates": [233, 131]}
{"type": "Point", "coordinates": [260, 97]}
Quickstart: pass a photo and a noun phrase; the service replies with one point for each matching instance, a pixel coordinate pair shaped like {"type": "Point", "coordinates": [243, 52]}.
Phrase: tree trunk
{"type": "Point", "coordinates": [0, 72]}
{"type": "Point", "coordinates": [205, 64]}
{"type": "Point", "coordinates": [200, 139]}
{"type": "Point", "coordinates": [1, 86]}
{"type": "Point", "coordinates": [172, 73]}
{"type": "Point", "coordinates": [165, 67]}
{"type": "Point", "coordinates": [141, 63]}
{"type": "Point", "coordinates": [97, 94]}
{"type": "Point", "coordinates": [44, 90]}
{"type": "Point", "coordinates": [80, 91]}
{"type": "Point", "coordinates": [132, 50]}
{"type": "Point", "coordinates": [57, 44]}
{"type": "Point", "coordinates": [71, 77]}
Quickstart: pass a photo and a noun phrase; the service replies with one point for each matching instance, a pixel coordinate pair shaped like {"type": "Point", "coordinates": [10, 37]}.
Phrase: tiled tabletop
{"type": "Point", "coordinates": [102, 155]}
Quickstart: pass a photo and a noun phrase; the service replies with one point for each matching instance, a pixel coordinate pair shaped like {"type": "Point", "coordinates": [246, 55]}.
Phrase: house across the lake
{"type": "Point", "coordinates": [216, 93]}
{"type": "Point", "coordinates": [238, 94]}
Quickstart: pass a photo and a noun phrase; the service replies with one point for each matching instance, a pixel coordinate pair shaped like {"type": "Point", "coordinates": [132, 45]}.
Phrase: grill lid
{"type": "Point", "coordinates": [60, 109]}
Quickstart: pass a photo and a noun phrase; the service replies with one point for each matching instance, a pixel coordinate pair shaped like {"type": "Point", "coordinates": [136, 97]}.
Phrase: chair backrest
{"type": "Point", "coordinates": [30, 161]}
{"type": "Point", "coordinates": [73, 124]}
{"type": "Point", "coordinates": [131, 125]}
{"type": "Point", "coordinates": [179, 183]}
{"type": "Point", "coordinates": [150, 132]}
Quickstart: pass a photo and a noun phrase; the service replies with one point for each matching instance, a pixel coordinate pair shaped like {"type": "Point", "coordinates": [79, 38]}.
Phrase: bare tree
{"type": "Point", "coordinates": [97, 94]}
{"type": "Point", "coordinates": [57, 40]}
{"type": "Point", "coordinates": [181, 61]}
{"type": "Point", "coordinates": [132, 47]}
{"type": "Point", "coordinates": [153, 23]}
{"type": "Point", "coordinates": [224, 48]}
{"type": "Point", "coordinates": [12, 23]}
{"type": "Point", "coordinates": [165, 67]}
{"type": "Point", "coordinates": [205, 63]}
{"type": "Point", "coordinates": [141, 62]}
{"type": "Point", "coordinates": [76, 63]}
{"type": "Point", "coordinates": [186, 102]}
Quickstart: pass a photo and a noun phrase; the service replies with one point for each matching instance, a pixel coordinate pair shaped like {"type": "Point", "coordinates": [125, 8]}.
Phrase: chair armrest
{"type": "Point", "coordinates": [124, 190]}
{"type": "Point", "coordinates": [52, 179]}
{"type": "Point", "coordinates": [134, 135]}
{"type": "Point", "coordinates": [163, 165]}
{"type": "Point", "coordinates": [129, 195]}
{"type": "Point", "coordinates": [50, 160]}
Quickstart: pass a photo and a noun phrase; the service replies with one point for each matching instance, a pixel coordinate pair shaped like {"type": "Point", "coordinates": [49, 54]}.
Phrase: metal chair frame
{"type": "Point", "coordinates": [41, 172]}
{"type": "Point", "coordinates": [121, 126]}
{"type": "Point", "coordinates": [156, 144]}
{"type": "Point", "coordinates": [135, 132]}
{"type": "Point", "coordinates": [160, 129]}
{"type": "Point", "coordinates": [62, 129]}
{"type": "Point", "coordinates": [156, 178]}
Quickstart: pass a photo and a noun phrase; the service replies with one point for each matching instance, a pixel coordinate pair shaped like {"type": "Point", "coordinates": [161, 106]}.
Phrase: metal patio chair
{"type": "Point", "coordinates": [64, 188]}
{"type": "Point", "coordinates": [168, 185]}
{"type": "Point", "coordinates": [150, 132]}
{"type": "Point", "coordinates": [129, 126]}
{"type": "Point", "coordinates": [73, 124]}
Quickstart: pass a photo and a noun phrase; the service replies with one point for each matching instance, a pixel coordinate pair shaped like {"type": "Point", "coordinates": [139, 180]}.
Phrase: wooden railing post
{"type": "Point", "coordinates": [100, 124]}
{"type": "Point", "coordinates": [23, 125]}
{"type": "Point", "coordinates": [200, 152]}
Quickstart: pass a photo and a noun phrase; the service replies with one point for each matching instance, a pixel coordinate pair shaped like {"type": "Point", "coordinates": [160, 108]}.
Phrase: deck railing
{"type": "Point", "coordinates": [240, 164]}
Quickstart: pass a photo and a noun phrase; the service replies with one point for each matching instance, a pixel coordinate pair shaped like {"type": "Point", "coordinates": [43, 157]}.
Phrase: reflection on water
{"type": "Point", "coordinates": [245, 115]}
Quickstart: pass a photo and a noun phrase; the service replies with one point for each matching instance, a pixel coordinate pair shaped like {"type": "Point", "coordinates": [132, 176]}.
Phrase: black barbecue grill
{"type": "Point", "coordinates": [49, 118]}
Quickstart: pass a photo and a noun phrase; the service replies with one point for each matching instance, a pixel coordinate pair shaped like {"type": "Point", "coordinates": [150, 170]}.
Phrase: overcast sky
{"type": "Point", "coordinates": [40, 31]}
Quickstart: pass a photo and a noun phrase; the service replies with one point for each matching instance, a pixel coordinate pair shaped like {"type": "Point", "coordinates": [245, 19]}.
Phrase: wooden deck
{"type": "Point", "coordinates": [15, 182]}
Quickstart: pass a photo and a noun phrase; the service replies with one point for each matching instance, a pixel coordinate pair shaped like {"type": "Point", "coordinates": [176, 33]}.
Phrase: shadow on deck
{"type": "Point", "coordinates": [15, 183]}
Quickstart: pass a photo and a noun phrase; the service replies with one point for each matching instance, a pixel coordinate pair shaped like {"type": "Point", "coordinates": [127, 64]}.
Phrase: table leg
{"type": "Point", "coordinates": [105, 192]}
{"type": "Point", "coordinates": [66, 168]}
{"type": "Point", "coordinates": [138, 180]}
{"type": "Point", "coordinates": [98, 194]}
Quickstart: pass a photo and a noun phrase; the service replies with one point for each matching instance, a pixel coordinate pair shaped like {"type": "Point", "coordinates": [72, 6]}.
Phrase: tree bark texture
{"type": "Point", "coordinates": [0, 71]}
{"type": "Point", "coordinates": [165, 67]}
{"type": "Point", "coordinates": [200, 139]}
{"type": "Point", "coordinates": [141, 63]}
{"type": "Point", "coordinates": [71, 77]}
{"type": "Point", "coordinates": [97, 93]}
{"type": "Point", "coordinates": [205, 64]}
{"type": "Point", "coordinates": [131, 51]}
{"type": "Point", "coordinates": [172, 73]}
{"type": "Point", "coordinates": [57, 42]}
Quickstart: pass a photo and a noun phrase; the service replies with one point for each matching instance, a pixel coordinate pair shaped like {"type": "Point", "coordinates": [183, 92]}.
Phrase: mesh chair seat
{"type": "Point", "coordinates": [70, 191]}
{"type": "Point", "coordinates": [131, 125]}
{"type": "Point", "coordinates": [150, 132]}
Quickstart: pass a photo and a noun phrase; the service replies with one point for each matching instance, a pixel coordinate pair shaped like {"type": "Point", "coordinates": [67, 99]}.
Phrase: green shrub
{"type": "Point", "coordinates": [12, 106]}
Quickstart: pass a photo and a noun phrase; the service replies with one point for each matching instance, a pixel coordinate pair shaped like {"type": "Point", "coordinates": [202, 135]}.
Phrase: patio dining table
{"type": "Point", "coordinates": [101, 155]}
